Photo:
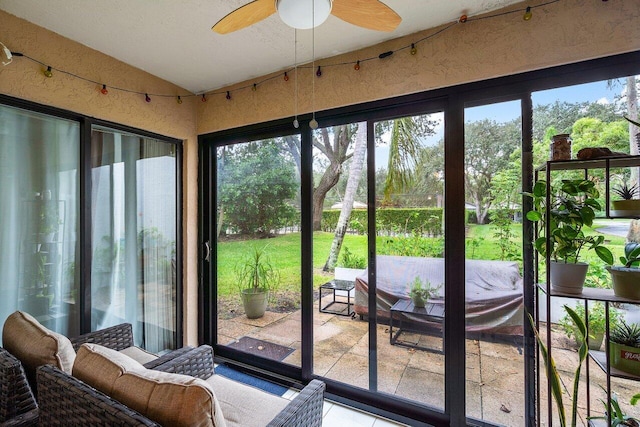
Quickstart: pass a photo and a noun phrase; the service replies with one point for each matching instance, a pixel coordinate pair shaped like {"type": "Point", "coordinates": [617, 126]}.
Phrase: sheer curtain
{"type": "Point", "coordinates": [39, 157]}
{"type": "Point", "coordinates": [134, 236]}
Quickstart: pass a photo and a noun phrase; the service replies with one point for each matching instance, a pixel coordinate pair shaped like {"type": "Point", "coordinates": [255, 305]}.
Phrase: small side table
{"type": "Point", "coordinates": [333, 286]}
{"type": "Point", "coordinates": [431, 312]}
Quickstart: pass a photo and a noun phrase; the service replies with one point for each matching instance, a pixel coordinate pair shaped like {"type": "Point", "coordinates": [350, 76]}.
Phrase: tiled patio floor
{"type": "Point", "coordinates": [494, 370]}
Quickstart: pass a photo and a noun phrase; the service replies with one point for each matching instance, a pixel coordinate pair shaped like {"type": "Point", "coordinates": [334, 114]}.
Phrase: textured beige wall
{"type": "Point", "coordinates": [559, 33]}
{"type": "Point", "coordinates": [24, 79]}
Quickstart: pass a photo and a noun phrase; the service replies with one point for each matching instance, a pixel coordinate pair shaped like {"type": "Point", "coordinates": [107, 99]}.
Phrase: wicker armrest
{"type": "Point", "coordinates": [305, 410]}
{"type": "Point", "coordinates": [65, 400]}
{"type": "Point", "coordinates": [116, 337]}
{"type": "Point", "coordinates": [17, 404]}
{"type": "Point", "coordinates": [197, 362]}
{"type": "Point", "coordinates": [167, 357]}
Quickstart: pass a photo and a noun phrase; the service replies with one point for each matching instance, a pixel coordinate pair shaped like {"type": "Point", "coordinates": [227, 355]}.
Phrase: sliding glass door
{"type": "Point", "coordinates": [134, 235]}
{"type": "Point", "coordinates": [39, 218]}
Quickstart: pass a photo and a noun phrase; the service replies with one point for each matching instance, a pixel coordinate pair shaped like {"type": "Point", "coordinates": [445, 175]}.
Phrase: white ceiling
{"type": "Point", "coordinates": [172, 39]}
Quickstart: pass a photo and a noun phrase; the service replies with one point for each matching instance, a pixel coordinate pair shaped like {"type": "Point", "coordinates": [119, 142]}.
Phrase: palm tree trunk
{"type": "Point", "coordinates": [355, 172]}
{"type": "Point", "coordinates": [632, 112]}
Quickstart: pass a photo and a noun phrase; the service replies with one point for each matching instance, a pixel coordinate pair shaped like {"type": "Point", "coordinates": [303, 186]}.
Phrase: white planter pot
{"type": "Point", "coordinates": [568, 277]}
{"type": "Point", "coordinates": [626, 282]}
{"type": "Point", "coordinates": [625, 208]}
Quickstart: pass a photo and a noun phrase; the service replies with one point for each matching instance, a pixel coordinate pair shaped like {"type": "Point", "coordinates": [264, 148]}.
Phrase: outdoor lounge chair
{"type": "Point", "coordinates": [165, 397]}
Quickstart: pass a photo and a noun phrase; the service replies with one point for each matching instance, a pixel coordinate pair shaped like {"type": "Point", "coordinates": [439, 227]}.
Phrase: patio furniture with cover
{"type": "Point", "coordinates": [493, 291]}
{"type": "Point", "coordinates": [110, 388]}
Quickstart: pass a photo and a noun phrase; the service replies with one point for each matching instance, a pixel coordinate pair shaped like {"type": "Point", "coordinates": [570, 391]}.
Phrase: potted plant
{"type": "Point", "coordinates": [628, 205]}
{"type": "Point", "coordinates": [256, 277]}
{"type": "Point", "coordinates": [618, 417]}
{"type": "Point", "coordinates": [624, 347]}
{"type": "Point", "coordinates": [571, 207]}
{"type": "Point", "coordinates": [626, 278]}
{"type": "Point", "coordinates": [350, 266]}
{"type": "Point", "coordinates": [420, 292]}
{"type": "Point", "coordinates": [597, 323]}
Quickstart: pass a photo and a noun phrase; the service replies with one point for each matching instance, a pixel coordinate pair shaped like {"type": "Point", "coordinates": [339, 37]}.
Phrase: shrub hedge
{"type": "Point", "coordinates": [396, 221]}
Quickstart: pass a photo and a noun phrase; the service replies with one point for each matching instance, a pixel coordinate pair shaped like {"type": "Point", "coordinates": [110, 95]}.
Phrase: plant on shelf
{"type": "Point", "coordinates": [571, 207]}
{"type": "Point", "coordinates": [629, 204]}
{"type": "Point", "coordinates": [618, 417]}
{"type": "Point", "coordinates": [552, 372]}
{"type": "Point", "coordinates": [626, 277]}
{"type": "Point", "coordinates": [421, 292]}
{"type": "Point", "coordinates": [256, 278]}
{"type": "Point", "coordinates": [624, 347]}
{"type": "Point", "coordinates": [597, 323]}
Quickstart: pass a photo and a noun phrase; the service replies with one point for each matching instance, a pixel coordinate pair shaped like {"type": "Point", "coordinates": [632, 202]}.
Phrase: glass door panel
{"type": "Point", "coordinates": [259, 248]}
{"type": "Point", "coordinates": [341, 337]}
{"type": "Point", "coordinates": [494, 284]}
{"type": "Point", "coordinates": [134, 232]}
{"type": "Point", "coordinates": [409, 207]}
{"type": "Point", "coordinates": [39, 164]}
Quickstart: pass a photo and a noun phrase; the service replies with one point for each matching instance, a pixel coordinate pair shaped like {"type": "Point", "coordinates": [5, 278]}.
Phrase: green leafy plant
{"type": "Point", "coordinates": [626, 191]}
{"type": "Point", "coordinates": [421, 291]}
{"type": "Point", "coordinates": [552, 372]}
{"type": "Point", "coordinates": [350, 260]}
{"type": "Point", "coordinates": [256, 273]}
{"type": "Point", "coordinates": [572, 207]}
{"type": "Point", "coordinates": [618, 417]}
{"type": "Point", "coordinates": [631, 257]}
{"type": "Point", "coordinates": [626, 334]}
{"type": "Point", "coordinates": [597, 320]}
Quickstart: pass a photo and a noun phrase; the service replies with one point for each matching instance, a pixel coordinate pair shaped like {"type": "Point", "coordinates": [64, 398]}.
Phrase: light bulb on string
{"type": "Point", "coordinates": [527, 14]}
{"type": "Point", "coordinates": [319, 72]}
{"type": "Point", "coordinates": [147, 98]}
{"type": "Point", "coordinates": [48, 73]}
{"type": "Point", "coordinates": [413, 49]}
{"type": "Point", "coordinates": [463, 19]}
{"type": "Point", "coordinates": [357, 66]}
{"type": "Point", "coordinates": [104, 90]}
{"type": "Point", "coordinates": [313, 124]}
{"type": "Point", "coordinates": [286, 77]}
{"type": "Point", "coordinates": [204, 98]}
{"type": "Point", "coordinates": [179, 100]}
{"type": "Point", "coordinates": [255, 87]}
{"type": "Point", "coordinates": [228, 96]}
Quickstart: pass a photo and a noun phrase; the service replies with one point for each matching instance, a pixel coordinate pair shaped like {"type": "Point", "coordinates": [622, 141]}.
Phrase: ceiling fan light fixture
{"type": "Point", "coordinates": [300, 14]}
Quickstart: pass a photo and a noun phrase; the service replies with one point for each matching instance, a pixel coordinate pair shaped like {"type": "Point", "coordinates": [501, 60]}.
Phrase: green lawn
{"type": "Point", "coordinates": [285, 254]}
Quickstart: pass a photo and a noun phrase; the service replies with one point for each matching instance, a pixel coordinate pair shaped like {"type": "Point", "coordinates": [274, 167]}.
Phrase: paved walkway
{"type": "Point", "coordinates": [618, 227]}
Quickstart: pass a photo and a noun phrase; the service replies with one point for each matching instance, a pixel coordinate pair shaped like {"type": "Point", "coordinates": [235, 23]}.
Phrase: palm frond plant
{"type": "Point", "coordinates": [618, 417]}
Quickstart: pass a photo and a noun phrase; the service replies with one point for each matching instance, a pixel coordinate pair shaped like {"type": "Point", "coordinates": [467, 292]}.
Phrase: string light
{"type": "Point", "coordinates": [104, 90]}
{"type": "Point", "coordinates": [204, 98]}
{"type": "Point", "coordinates": [296, 124]}
{"type": "Point", "coordinates": [179, 100]}
{"type": "Point", "coordinates": [48, 71]}
{"type": "Point", "coordinates": [255, 87]}
{"type": "Point", "coordinates": [313, 123]}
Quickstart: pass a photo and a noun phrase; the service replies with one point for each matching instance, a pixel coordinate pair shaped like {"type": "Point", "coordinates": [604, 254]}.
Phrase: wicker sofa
{"type": "Point", "coordinates": [67, 400]}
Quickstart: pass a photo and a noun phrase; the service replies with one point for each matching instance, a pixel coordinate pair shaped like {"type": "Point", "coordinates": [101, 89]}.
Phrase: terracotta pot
{"type": "Point", "coordinates": [626, 282]}
{"type": "Point", "coordinates": [568, 277]}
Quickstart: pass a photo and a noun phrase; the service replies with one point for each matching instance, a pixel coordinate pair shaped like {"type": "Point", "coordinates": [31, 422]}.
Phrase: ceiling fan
{"type": "Point", "coordinates": [305, 14]}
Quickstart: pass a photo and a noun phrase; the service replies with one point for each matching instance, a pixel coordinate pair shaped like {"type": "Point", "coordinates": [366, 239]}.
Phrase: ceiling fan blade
{"type": "Point", "coordinates": [244, 16]}
{"type": "Point", "coordinates": [371, 14]}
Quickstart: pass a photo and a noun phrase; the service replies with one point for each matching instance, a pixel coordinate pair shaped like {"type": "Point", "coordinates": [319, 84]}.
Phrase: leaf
{"type": "Point", "coordinates": [534, 216]}
{"type": "Point", "coordinates": [604, 254]}
{"type": "Point", "coordinates": [552, 374]}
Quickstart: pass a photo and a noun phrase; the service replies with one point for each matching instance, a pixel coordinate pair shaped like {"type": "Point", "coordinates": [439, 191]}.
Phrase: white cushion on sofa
{"type": "Point", "coordinates": [243, 405]}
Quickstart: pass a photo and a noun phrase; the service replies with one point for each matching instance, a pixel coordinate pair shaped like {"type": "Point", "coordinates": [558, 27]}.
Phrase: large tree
{"type": "Point", "coordinates": [488, 147]}
{"type": "Point", "coordinates": [355, 172]}
{"type": "Point", "coordinates": [256, 185]}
